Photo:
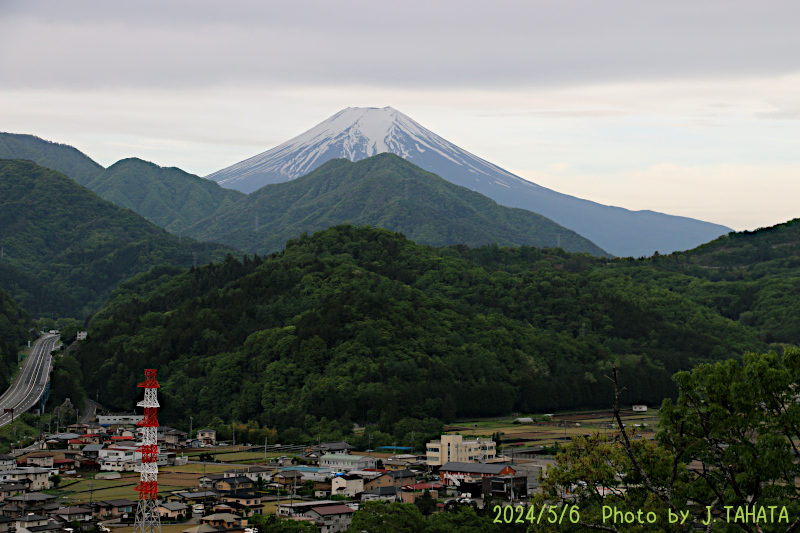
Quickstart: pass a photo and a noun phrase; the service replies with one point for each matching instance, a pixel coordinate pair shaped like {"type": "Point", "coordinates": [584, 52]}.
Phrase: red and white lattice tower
{"type": "Point", "coordinates": [147, 517]}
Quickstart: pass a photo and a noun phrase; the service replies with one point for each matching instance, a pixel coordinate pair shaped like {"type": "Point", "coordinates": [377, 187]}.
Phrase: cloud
{"type": "Point", "coordinates": [447, 44]}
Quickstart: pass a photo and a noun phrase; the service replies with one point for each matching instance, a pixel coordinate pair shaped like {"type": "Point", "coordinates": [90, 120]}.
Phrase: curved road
{"type": "Point", "coordinates": [27, 388]}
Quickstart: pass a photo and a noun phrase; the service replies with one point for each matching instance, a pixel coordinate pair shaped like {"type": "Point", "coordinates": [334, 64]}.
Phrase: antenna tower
{"type": "Point", "coordinates": [147, 517]}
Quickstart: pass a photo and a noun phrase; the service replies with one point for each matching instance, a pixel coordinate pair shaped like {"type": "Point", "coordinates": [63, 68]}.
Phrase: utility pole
{"type": "Point", "coordinates": [191, 419]}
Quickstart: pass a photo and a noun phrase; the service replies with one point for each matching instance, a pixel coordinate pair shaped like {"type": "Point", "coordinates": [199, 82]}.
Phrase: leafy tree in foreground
{"type": "Point", "coordinates": [383, 517]}
{"type": "Point", "coordinates": [725, 458]}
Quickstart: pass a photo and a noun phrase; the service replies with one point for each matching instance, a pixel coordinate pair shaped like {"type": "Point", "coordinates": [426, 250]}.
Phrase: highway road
{"type": "Point", "coordinates": [27, 388]}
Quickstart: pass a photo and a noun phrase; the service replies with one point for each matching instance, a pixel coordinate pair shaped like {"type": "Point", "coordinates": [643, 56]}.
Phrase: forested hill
{"type": "Point", "coordinates": [60, 238]}
{"type": "Point", "coordinates": [384, 191]}
{"type": "Point", "coordinates": [362, 324]}
{"type": "Point", "coordinates": [168, 197]}
{"type": "Point", "coordinates": [55, 156]}
{"type": "Point", "coordinates": [759, 252]}
{"type": "Point", "coordinates": [14, 333]}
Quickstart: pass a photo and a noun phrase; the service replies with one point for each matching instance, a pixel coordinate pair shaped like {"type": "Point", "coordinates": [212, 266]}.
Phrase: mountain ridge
{"type": "Point", "coordinates": [167, 196]}
{"type": "Point", "coordinates": [53, 155]}
{"type": "Point", "coordinates": [383, 191]}
{"type": "Point", "coordinates": [356, 133]}
{"type": "Point", "coordinates": [63, 235]}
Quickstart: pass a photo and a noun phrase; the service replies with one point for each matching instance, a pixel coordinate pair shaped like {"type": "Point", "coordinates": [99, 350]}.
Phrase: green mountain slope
{"type": "Point", "coordinates": [758, 251]}
{"type": "Point", "coordinates": [362, 324]}
{"type": "Point", "coordinates": [14, 326]}
{"type": "Point", "coordinates": [60, 157]}
{"type": "Point", "coordinates": [168, 197]}
{"type": "Point", "coordinates": [749, 276]}
{"type": "Point", "coordinates": [67, 237]}
{"type": "Point", "coordinates": [383, 191]}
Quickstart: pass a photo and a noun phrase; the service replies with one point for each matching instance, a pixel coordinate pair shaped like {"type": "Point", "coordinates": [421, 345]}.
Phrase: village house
{"type": "Point", "coordinates": [224, 521]}
{"type": "Point", "coordinates": [113, 508]}
{"type": "Point", "coordinates": [347, 485]}
{"type": "Point", "coordinates": [410, 493]}
{"type": "Point", "coordinates": [254, 472]}
{"type": "Point", "coordinates": [207, 436]}
{"type": "Point", "coordinates": [192, 498]}
{"type": "Point", "coordinates": [330, 447]}
{"type": "Point", "coordinates": [68, 514]}
{"type": "Point", "coordinates": [234, 484]}
{"type": "Point", "coordinates": [39, 477]}
{"type": "Point", "coordinates": [331, 518]}
{"type": "Point", "coordinates": [394, 478]}
{"type": "Point", "coordinates": [16, 506]}
{"type": "Point", "coordinates": [42, 460]}
{"type": "Point", "coordinates": [288, 479]}
{"type": "Point", "coordinates": [12, 489]}
{"type": "Point", "coordinates": [400, 463]}
{"type": "Point", "coordinates": [172, 510]}
{"type": "Point", "coordinates": [35, 522]}
{"type": "Point", "coordinates": [174, 438]}
{"type": "Point", "coordinates": [209, 480]}
{"type": "Point", "coordinates": [7, 462]}
{"type": "Point", "coordinates": [454, 471]}
{"type": "Point", "coordinates": [64, 465]}
{"type": "Point", "coordinates": [92, 451]}
{"type": "Point", "coordinates": [242, 500]}
{"type": "Point", "coordinates": [389, 494]}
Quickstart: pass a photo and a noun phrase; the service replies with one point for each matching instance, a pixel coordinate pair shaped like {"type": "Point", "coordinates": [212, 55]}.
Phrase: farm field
{"type": "Point", "coordinates": [560, 428]}
{"type": "Point", "coordinates": [118, 491]}
{"type": "Point", "coordinates": [197, 469]}
{"type": "Point", "coordinates": [165, 528]}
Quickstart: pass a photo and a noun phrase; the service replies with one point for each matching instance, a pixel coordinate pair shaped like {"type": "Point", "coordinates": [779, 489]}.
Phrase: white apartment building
{"type": "Point", "coordinates": [119, 419]}
{"type": "Point", "coordinates": [454, 448]}
{"type": "Point", "coordinates": [118, 458]}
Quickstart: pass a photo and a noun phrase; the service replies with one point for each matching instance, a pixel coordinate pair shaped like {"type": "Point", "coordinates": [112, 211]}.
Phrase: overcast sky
{"type": "Point", "coordinates": [685, 107]}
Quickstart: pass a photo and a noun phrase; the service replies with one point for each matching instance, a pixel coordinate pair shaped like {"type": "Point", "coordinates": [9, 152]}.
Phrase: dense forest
{"type": "Point", "coordinates": [65, 248]}
{"type": "Point", "coordinates": [15, 325]}
{"type": "Point", "coordinates": [168, 197]}
{"type": "Point", "coordinates": [55, 156]}
{"type": "Point", "coordinates": [357, 324]}
{"type": "Point", "coordinates": [385, 191]}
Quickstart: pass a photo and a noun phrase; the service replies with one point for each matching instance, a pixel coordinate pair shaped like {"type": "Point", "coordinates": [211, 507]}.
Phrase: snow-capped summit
{"type": "Point", "coordinates": [355, 133]}
{"type": "Point", "coordinates": [359, 132]}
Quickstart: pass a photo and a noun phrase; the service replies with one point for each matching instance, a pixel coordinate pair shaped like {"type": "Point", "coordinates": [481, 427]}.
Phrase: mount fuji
{"type": "Point", "coordinates": [357, 133]}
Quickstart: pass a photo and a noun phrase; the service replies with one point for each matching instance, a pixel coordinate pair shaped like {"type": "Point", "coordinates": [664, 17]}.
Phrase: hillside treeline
{"type": "Point", "coordinates": [362, 325]}
{"type": "Point", "coordinates": [14, 333]}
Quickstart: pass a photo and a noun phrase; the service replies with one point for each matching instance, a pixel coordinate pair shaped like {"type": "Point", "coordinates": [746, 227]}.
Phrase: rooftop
{"type": "Point", "coordinates": [333, 509]}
